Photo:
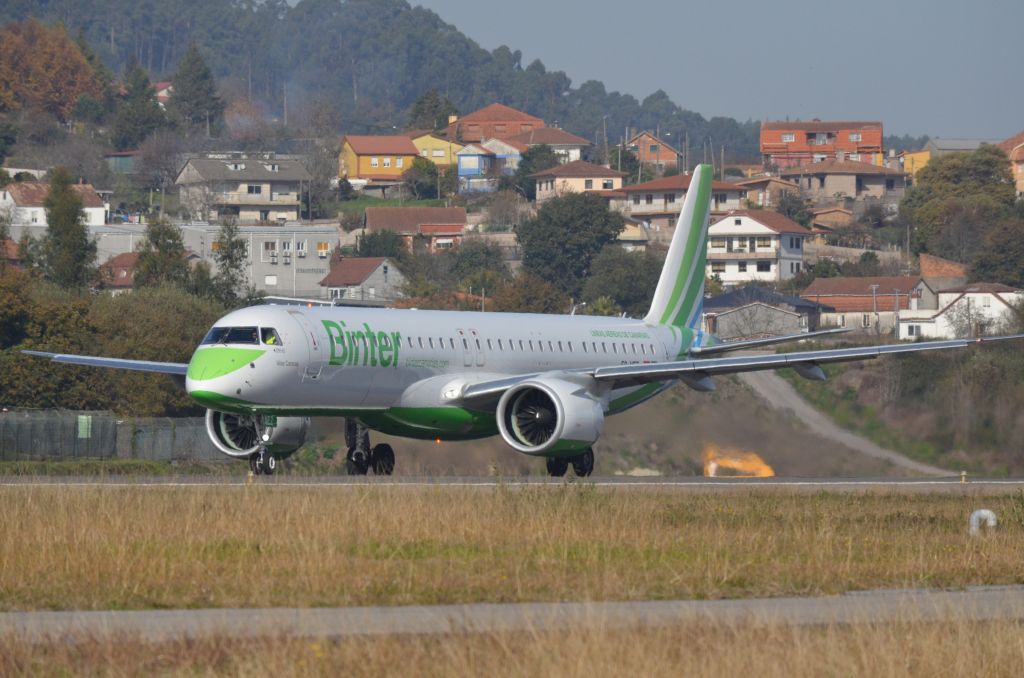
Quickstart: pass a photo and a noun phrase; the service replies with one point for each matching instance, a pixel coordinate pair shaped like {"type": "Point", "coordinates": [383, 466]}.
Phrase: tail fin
{"type": "Point", "coordinates": [679, 298]}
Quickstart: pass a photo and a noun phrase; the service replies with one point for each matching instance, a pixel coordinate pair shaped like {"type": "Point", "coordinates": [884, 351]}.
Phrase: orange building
{"type": "Point", "coordinates": [651, 150]}
{"type": "Point", "coordinates": [496, 121]}
{"type": "Point", "coordinates": [788, 144]}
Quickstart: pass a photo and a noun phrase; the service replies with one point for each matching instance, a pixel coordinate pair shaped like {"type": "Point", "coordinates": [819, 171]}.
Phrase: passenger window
{"type": "Point", "coordinates": [500, 346]}
{"type": "Point", "coordinates": [559, 347]}
{"type": "Point", "coordinates": [489, 347]}
{"type": "Point", "coordinates": [521, 345]}
{"type": "Point", "coordinates": [584, 347]}
{"type": "Point", "coordinates": [465, 343]}
{"type": "Point", "coordinates": [551, 347]}
{"type": "Point", "coordinates": [452, 342]}
{"type": "Point", "coordinates": [478, 346]}
{"type": "Point", "coordinates": [270, 337]}
{"type": "Point", "coordinates": [652, 349]}
{"type": "Point", "coordinates": [430, 341]}
{"type": "Point", "coordinates": [604, 347]}
{"type": "Point", "coordinates": [615, 348]}
{"type": "Point", "coordinates": [540, 345]}
{"type": "Point", "coordinates": [409, 339]}
{"type": "Point", "coordinates": [634, 348]}
{"type": "Point", "coordinates": [419, 340]}
{"type": "Point", "coordinates": [531, 344]}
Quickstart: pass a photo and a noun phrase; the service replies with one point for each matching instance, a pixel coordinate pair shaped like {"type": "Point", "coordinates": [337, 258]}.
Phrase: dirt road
{"type": "Point", "coordinates": [778, 393]}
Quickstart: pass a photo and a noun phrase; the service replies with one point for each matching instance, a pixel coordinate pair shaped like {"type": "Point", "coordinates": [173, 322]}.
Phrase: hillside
{"type": "Point", "coordinates": [366, 60]}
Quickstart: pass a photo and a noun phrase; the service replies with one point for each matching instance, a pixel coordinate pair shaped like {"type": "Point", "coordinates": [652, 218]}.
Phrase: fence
{"type": "Point", "coordinates": [60, 434]}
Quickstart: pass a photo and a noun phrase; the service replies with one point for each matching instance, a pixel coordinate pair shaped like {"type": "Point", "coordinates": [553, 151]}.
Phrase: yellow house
{"type": "Point", "coordinates": [436, 149]}
{"type": "Point", "coordinates": [914, 161]}
{"type": "Point", "coordinates": [375, 159]}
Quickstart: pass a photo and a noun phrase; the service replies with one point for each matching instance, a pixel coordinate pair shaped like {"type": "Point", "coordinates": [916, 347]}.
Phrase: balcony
{"type": "Point", "coordinates": [270, 200]}
{"type": "Point", "coordinates": [738, 255]}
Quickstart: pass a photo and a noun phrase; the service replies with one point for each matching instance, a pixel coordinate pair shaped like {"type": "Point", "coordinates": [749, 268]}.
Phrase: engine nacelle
{"type": "Point", "coordinates": [239, 435]}
{"type": "Point", "coordinates": [549, 417]}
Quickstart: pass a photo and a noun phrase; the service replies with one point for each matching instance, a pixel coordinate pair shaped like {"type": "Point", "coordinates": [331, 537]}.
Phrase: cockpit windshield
{"type": "Point", "coordinates": [232, 335]}
{"type": "Point", "coordinates": [270, 336]}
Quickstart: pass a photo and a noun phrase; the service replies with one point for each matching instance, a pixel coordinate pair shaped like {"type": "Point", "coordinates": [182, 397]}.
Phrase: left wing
{"type": "Point", "coordinates": [729, 346]}
{"type": "Point", "coordinates": [117, 363]}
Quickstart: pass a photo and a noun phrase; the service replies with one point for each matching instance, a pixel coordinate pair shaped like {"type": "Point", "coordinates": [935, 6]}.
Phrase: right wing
{"type": "Point", "coordinates": [116, 363]}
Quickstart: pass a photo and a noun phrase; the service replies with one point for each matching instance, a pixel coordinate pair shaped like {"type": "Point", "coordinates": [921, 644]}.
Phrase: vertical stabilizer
{"type": "Point", "coordinates": [680, 295]}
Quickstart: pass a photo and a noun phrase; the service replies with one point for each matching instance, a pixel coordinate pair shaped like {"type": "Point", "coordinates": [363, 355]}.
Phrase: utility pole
{"type": "Point", "coordinates": [604, 127]}
{"type": "Point", "coordinates": [874, 306]}
{"type": "Point", "coordinates": [686, 153]}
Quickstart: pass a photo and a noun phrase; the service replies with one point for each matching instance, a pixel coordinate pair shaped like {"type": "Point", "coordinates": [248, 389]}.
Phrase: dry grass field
{"type": "Point", "coordinates": [108, 547]}
{"type": "Point", "coordinates": [956, 648]}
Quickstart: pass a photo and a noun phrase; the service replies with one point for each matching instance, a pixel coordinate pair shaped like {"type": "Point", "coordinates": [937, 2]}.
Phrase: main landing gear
{"type": "Point", "coordinates": [361, 458]}
{"type": "Point", "coordinates": [582, 464]}
{"type": "Point", "coordinates": [262, 463]}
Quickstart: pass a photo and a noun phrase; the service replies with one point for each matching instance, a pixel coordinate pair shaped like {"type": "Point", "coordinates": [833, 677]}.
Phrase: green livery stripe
{"type": "Point", "coordinates": [635, 398]}
{"type": "Point", "coordinates": [216, 361]}
{"type": "Point", "coordinates": [693, 259]}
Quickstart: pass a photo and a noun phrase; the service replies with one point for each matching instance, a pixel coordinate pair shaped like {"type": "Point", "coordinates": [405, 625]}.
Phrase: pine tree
{"type": "Point", "coordinates": [68, 254]}
{"type": "Point", "coordinates": [230, 256]}
{"type": "Point", "coordinates": [138, 114]}
{"type": "Point", "coordinates": [195, 102]}
{"type": "Point", "coordinates": [162, 257]}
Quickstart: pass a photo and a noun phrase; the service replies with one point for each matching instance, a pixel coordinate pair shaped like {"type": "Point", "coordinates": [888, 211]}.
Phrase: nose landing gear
{"type": "Point", "coordinates": [262, 463]}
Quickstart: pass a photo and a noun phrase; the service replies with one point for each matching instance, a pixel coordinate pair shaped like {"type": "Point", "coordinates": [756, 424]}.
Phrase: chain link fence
{"type": "Point", "coordinates": [62, 435]}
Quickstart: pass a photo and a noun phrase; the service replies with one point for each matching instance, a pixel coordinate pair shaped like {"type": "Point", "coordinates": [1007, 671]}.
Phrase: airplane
{"type": "Point", "coordinates": [544, 383]}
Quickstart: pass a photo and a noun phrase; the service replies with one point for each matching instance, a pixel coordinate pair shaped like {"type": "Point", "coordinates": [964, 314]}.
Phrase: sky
{"type": "Point", "coordinates": [935, 67]}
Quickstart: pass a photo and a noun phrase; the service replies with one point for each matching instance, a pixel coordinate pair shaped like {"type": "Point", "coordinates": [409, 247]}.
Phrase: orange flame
{"type": "Point", "coordinates": [743, 464]}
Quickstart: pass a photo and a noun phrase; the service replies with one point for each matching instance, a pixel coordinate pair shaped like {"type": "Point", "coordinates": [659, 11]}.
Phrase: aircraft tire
{"type": "Point", "coordinates": [382, 460]}
{"type": "Point", "coordinates": [583, 463]}
{"type": "Point", "coordinates": [355, 467]}
{"type": "Point", "coordinates": [557, 466]}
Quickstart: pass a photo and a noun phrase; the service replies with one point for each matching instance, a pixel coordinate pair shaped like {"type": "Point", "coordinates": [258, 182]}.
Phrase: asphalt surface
{"type": "Point", "coordinates": [694, 484]}
{"type": "Point", "coordinates": [884, 606]}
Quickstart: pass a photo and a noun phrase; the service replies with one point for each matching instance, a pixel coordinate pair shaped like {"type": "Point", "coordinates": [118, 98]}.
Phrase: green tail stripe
{"type": "Point", "coordinates": [694, 261]}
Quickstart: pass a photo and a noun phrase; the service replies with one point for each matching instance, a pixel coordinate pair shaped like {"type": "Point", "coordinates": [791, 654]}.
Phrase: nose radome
{"type": "Point", "coordinates": [217, 361]}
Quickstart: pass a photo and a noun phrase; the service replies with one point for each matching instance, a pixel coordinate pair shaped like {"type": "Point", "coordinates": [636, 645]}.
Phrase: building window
{"type": "Point", "coordinates": [387, 162]}
{"type": "Point", "coordinates": [842, 320]}
{"type": "Point", "coordinates": [636, 198]}
{"type": "Point", "coordinates": [866, 320]}
{"type": "Point", "coordinates": [855, 136]}
{"type": "Point", "coordinates": [718, 243]}
{"type": "Point", "coordinates": [374, 162]}
{"type": "Point", "coordinates": [437, 153]}
{"type": "Point", "coordinates": [855, 157]}
{"type": "Point", "coordinates": [742, 266]}
{"type": "Point", "coordinates": [718, 267]}
{"type": "Point", "coordinates": [399, 162]}
{"type": "Point", "coordinates": [649, 199]}
{"type": "Point", "coordinates": [913, 330]}
{"type": "Point", "coordinates": [654, 149]}
{"type": "Point", "coordinates": [737, 221]}
{"type": "Point", "coordinates": [788, 138]}
{"type": "Point", "coordinates": [607, 184]}
{"type": "Point", "coordinates": [890, 184]}
{"type": "Point", "coordinates": [670, 197]}
{"type": "Point", "coordinates": [764, 241]}
{"type": "Point", "coordinates": [588, 184]}
{"type": "Point", "coordinates": [764, 267]}
{"type": "Point", "coordinates": [255, 189]}
{"type": "Point", "coordinates": [270, 280]}
{"type": "Point", "coordinates": [269, 250]}
{"type": "Point", "coordinates": [500, 128]}
{"type": "Point", "coordinates": [423, 152]}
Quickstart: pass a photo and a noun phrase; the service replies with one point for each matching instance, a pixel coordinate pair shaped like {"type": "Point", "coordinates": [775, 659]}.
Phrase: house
{"type": "Point", "coordinates": [756, 311]}
{"type": "Point", "coordinates": [24, 200]}
{"type": "Point", "coordinates": [755, 245]}
{"type": "Point", "coordinates": [568, 147]}
{"type": "Point", "coordinates": [914, 161]}
{"type": "Point", "coordinates": [481, 165]}
{"type": "Point", "coordinates": [788, 144]}
{"type": "Point", "coordinates": [651, 150]}
{"type": "Point", "coordinates": [1014, 147]}
{"type": "Point", "coordinates": [362, 279]}
{"type": "Point", "coordinates": [117, 274]}
{"type": "Point", "coordinates": [634, 236]}
{"type": "Point", "coordinates": [435, 148]}
{"type": "Point", "coordinates": [578, 176]}
{"type": "Point", "coordinates": [252, 189]}
{"type": "Point", "coordinates": [375, 161]}
{"type": "Point", "coordinates": [766, 191]}
{"type": "Point", "coordinates": [972, 310]}
{"type": "Point", "coordinates": [831, 218]}
{"type": "Point", "coordinates": [164, 90]}
{"type": "Point", "coordinates": [826, 182]}
{"type": "Point", "coordinates": [424, 229]}
{"type": "Point", "coordinates": [658, 202]}
{"type": "Point", "coordinates": [496, 121]}
{"type": "Point", "coordinates": [869, 304]}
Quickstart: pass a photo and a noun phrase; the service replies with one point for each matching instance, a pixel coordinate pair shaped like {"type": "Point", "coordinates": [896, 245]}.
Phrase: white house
{"type": "Point", "coordinates": [976, 309]}
{"type": "Point", "coordinates": [24, 201]}
{"type": "Point", "coordinates": [659, 202]}
{"type": "Point", "coordinates": [755, 245]}
{"type": "Point", "coordinates": [363, 279]}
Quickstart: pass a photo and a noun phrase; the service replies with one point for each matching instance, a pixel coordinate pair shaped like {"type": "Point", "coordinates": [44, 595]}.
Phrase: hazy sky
{"type": "Point", "coordinates": [942, 68]}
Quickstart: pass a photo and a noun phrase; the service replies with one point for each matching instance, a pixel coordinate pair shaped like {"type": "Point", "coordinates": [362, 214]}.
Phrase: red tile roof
{"type": "Point", "coordinates": [578, 168]}
{"type": "Point", "coordinates": [351, 271]}
{"type": "Point", "coordinates": [777, 222]}
{"type": "Point", "coordinates": [819, 125]}
{"type": "Point", "coordinates": [679, 182]}
{"type": "Point", "coordinates": [552, 136]}
{"type": "Point", "coordinates": [119, 270]}
{"type": "Point", "coordinates": [409, 220]}
{"type": "Point", "coordinates": [397, 144]}
{"type": "Point", "coordinates": [855, 295]}
{"type": "Point", "coordinates": [937, 267]}
{"type": "Point", "coordinates": [33, 193]}
{"type": "Point", "coordinates": [499, 113]}
{"type": "Point", "coordinates": [1013, 142]}
{"type": "Point", "coordinates": [833, 166]}
{"type": "Point", "coordinates": [441, 229]}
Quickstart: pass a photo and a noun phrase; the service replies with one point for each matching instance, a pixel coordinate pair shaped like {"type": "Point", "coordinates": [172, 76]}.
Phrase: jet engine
{"type": "Point", "coordinates": [239, 435]}
{"type": "Point", "coordinates": [549, 416]}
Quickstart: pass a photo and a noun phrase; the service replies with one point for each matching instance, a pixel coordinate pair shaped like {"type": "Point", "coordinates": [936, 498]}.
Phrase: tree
{"type": "Point", "coordinates": [195, 102]}
{"type": "Point", "coordinates": [431, 111]}
{"type": "Point", "coordinates": [8, 137]}
{"type": "Point", "coordinates": [626, 161]}
{"type": "Point", "coordinates": [534, 159]}
{"type": "Point", "coordinates": [567, 233]}
{"type": "Point", "coordinates": [627, 278]}
{"type": "Point", "coordinates": [381, 244]}
{"type": "Point", "coordinates": [478, 265]}
{"type": "Point", "coordinates": [67, 251]}
{"type": "Point", "coordinates": [527, 293]}
{"type": "Point", "coordinates": [1000, 258]}
{"type": "Point", "coordinates": [160, 158]}
{"type": "Point", "coordinates": [231, 257]}
{"type": "Point", "coordinates": [421, 179]}
{"type": "Point", "coordinates": [161, 259]}
{"type": "Point", "coordinates": [794, 207]}
{"type": "Point", "coordinates": [138, 113]}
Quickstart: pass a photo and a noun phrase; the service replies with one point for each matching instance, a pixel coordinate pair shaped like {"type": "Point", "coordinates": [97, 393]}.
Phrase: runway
{"type": "Point", "coordinates": [876, 607]}
{"type": "Point", "coordinates": [690, 484]}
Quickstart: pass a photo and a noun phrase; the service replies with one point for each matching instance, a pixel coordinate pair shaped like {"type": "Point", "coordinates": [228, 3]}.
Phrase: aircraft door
{"type": "Point", "coordinates": [467, 349]}
{"type": "Point", "coordinates": [478, 345]}
{"type": "Point", "coordinates": [315, 363]}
